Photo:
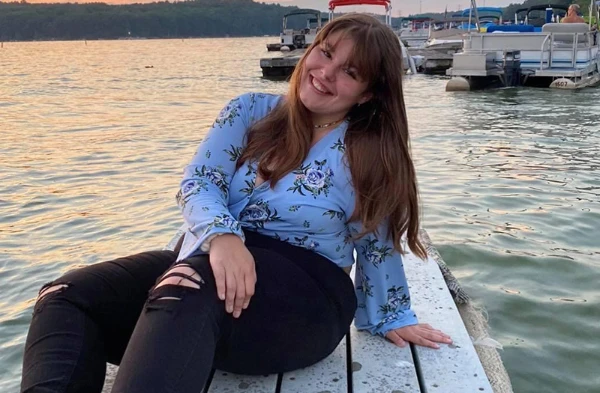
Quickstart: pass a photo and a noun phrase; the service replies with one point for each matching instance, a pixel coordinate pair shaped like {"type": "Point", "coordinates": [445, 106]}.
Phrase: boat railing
{"type": "Point", "coordinates": [574, 42]}
{"type": "Point", "coordinates": [549, 37]}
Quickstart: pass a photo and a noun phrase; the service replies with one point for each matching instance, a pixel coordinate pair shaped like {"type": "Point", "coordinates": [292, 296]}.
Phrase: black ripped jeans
{"type": "Point", "coordinates": [302, 307]}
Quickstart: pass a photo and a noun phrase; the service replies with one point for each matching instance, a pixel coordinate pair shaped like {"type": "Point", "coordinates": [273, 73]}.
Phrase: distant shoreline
{"type": "Point", "coordinates": [137, 39]}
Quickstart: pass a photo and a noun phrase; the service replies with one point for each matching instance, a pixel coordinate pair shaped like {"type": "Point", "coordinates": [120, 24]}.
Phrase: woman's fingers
{"type": "Point", "coordinates": [219, 273]}
{"type": "Point", "coordinates": [421, 340]}
{"type": "Point", "coordinates": [234, 270]}
{"type": "Point", "coordinates": [250, 283]}
{"type": "Point", "coordinates": [423, 335]}
{"type": "Point", "coordinates": [436, 335]}
{"type": "Point", "coordinates": [240, 296]}
{"type": "Point", "coordinates": [230, 291]}
{"type": "Point", "coordinates": [396, 339]}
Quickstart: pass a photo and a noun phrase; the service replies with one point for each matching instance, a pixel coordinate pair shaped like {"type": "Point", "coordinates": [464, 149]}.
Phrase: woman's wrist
{"type": "Point", "coordinates": [220, 238]}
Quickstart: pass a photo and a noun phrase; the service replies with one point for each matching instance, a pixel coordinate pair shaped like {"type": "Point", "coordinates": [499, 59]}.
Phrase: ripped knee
{"type": "Point", "coordinates": [50, 288]}
{"type": "Point", "coordinates": [182, 275]}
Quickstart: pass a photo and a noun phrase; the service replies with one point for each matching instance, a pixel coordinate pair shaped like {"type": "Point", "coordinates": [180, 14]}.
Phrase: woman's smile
{"type": "Point", "coordinates": [319, 87]}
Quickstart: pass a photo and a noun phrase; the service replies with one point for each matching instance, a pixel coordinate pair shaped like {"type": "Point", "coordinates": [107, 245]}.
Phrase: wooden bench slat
{"type": "Point", "coordinates": [223, 382]}
{"type": "Point", "coordinates": [328, 375]}
{"type": "Point", "coordinates": [453, 368]}
{"type": "Point", "coordinates": [380, 366]}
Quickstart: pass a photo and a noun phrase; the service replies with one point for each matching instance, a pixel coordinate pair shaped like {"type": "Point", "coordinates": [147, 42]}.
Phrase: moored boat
{"type": "Point", "coordinates": [291, 39]}
{"type": "Point", "coordinates": [556, 55]}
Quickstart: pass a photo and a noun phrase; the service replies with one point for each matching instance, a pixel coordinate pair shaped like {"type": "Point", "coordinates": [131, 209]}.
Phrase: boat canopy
{"type": "Point", "coordinates": [417, 19]}
{"type": "Point", "coordinates": [521, 10]}
{"type": "Point", "coordinates": [544, 7]}
{"type": "Point", "coordinates": [484, 10]}
{"type": "Point", "coordinates": [304, 11]}
{"type": "Point", "coordinates": [337, 3]}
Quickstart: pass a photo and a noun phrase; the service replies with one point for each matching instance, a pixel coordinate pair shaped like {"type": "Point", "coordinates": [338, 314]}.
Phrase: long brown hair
{"type": "Point", "coordinates": [377, 140]}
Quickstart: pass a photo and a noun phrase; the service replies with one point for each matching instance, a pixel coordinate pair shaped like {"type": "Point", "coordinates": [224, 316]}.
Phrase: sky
{"type": "Point", "coordinates": [399, 7]}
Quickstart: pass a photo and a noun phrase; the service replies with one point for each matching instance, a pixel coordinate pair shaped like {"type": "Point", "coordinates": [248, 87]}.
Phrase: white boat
{"type": "Point", "coordinates": [415, 31]}
{"type": "Point", "coordinates": [446, 40]}
{"type": "Point", "coordinates": [559, 55]}
{"type": "Point", "coordinates": [449, 35]}
{"type": "Point", "coordinates": [291, 39]}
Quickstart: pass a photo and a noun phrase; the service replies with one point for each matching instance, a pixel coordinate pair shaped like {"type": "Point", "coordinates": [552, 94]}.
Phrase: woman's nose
{"type": "Point", "coordinates": [328, 72]}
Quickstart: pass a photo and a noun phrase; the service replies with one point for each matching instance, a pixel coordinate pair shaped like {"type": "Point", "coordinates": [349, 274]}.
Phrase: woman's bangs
{"type": "Point", "coordinates": [366, 56]}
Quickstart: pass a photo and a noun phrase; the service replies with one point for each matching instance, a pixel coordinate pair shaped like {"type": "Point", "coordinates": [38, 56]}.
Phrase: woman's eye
{"type": "Point", "coordinates": [350, 73]}
{"type": "Point", "coordinates": [326, 53]}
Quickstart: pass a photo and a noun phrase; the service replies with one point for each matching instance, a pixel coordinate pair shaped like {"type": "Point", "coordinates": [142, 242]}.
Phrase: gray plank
{"type": "Point", "coordinates": [224, 382]}
{"type": "Point", "coordinates": [380, 366]}
{"type": "Point", "coordinates": [454, 368]}
{"type": "Point", "coordinates": [328, 375]}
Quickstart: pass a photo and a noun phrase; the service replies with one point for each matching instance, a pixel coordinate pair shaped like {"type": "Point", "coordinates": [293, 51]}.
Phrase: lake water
{"type": "Point", "coordinates": [94, 136]}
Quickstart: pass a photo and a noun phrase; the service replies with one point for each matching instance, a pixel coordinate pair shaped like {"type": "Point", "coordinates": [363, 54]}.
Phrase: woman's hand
{"type": "Point", "coordinates": [421, 334]}
{"type": "Point", "coordinates": [233, 268]}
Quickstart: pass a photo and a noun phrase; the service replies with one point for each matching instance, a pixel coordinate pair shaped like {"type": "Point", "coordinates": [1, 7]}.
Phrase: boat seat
{"type": "Point", "coordinates": [564, 33]}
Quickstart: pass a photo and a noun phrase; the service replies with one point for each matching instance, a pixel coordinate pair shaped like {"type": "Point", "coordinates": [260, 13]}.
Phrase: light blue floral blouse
{"type": "Point", "coordinates": [308, 207]}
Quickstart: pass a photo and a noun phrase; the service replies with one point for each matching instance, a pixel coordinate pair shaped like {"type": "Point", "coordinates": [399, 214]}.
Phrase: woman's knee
{"type": "Point", "coordinates": [63, 287]}
{"type": "Point", "coordinates": [51, 288]}
{"type": "Point", "coordinates": [192, 275]}
{"type": "Point", "coordinates": [180, 286]}
{"type": "Point", "coordinates": [55, 291]}
{"type": "Point", "coordinates": [178, 277]}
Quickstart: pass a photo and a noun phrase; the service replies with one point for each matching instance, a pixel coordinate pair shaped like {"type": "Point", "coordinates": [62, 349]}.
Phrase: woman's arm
{"type": "Point", "coordinates": [383, 296]}
{"type": "Point", "coordinates": [203, 196]}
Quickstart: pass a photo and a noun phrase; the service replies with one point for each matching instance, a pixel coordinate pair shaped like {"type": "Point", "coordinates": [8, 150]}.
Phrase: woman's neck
{"type": "Point", "coordinates": [320, 133]}
{"type": "Point", "coordinates": [327, 121]}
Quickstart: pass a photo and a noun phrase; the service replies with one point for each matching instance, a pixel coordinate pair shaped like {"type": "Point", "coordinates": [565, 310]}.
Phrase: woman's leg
{"type": "Point", "coordinates": [302, 308]}
{"type": "Point", "coordinates": [173, 344]}
{"type": "Point", "coordinates": [299, 313]}
{"type": "Point", "coordinates": [85, 319]}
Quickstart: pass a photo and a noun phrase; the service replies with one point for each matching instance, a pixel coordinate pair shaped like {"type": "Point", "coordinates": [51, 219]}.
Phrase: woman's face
{"type": "Point", "coordinates": [329, 84]}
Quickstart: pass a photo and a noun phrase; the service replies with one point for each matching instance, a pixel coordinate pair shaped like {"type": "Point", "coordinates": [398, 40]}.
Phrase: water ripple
{"type": "Point", "coordinates": [94, 143]}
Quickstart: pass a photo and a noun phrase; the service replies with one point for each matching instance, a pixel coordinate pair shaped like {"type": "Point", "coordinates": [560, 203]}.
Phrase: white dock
{"type": "Point", "coordinates": [363, 363]}
{"type": "Point", "coordinates": [280, 66]}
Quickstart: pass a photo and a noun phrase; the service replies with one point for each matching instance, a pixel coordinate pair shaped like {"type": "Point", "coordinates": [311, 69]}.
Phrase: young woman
{"type": "Point", "coordinates": [279, 194]}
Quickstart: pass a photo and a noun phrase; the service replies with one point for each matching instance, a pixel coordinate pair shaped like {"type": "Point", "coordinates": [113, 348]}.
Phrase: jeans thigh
{"type": "Point", "coordinates": [173, 344]}
{"type": "Point", "coordinates": [292, 321]}
{"type": "Point", "coordinates": [111, 294]}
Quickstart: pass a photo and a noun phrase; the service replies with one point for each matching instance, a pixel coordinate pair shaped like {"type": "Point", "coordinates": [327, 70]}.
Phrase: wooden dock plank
{"type": "Point", "coordinates": [223, 382]}
{"type": "Point", "coordinates": [328, 375]}
{"type": "Point", "coordinates": [453, 368]}
{"type": "Point", "coordinates": [378, 366]}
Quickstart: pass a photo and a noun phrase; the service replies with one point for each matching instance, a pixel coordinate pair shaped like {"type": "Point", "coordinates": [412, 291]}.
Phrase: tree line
{"type": "Point", "coordinates": [199, 18]}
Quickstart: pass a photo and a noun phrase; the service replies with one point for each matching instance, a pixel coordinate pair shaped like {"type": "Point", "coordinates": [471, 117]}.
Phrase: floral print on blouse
{"type": "Point", "coordinates": [308, 207]}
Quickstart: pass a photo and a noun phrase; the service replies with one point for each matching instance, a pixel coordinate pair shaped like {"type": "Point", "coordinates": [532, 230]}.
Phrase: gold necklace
{"type": "Point", "coordinates": [329, 124]}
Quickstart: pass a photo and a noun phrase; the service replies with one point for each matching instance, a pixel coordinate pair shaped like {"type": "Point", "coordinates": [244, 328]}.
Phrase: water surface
{"type": "Point", "coordinates": [94, 138]}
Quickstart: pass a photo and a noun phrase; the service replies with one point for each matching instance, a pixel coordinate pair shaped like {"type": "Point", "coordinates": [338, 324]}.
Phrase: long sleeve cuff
{"type": "Point", "coordinates": [391, 322]}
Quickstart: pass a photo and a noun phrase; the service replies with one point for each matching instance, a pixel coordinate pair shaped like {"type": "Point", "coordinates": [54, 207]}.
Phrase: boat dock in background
{"type": "Point", "coordinates": [280, 67]}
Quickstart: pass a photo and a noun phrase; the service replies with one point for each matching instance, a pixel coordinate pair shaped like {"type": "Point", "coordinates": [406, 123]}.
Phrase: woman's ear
{"type": "Point", "coordinates": [365, 98]}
